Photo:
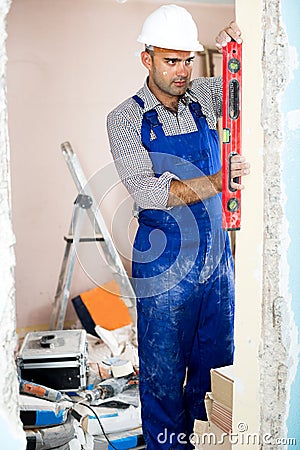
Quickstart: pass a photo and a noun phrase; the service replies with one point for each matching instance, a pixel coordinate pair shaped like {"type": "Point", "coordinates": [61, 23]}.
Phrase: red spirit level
{"type": "Point", "coordinates": [232, 102]}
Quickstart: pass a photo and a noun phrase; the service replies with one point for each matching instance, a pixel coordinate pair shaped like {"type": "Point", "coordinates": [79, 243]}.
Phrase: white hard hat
{"type": "Point", "coordinates": [171, 27]}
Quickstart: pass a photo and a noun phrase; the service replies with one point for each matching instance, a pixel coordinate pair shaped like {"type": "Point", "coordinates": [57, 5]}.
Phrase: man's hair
{"type": "Point", "coordinates": [150, 49]}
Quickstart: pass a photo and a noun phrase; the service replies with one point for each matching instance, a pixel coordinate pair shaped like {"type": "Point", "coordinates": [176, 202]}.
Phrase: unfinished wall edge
{"type": "Point", "coordinates": [277, 317]}
{"type": "Point", "coordinates": [12, 435]}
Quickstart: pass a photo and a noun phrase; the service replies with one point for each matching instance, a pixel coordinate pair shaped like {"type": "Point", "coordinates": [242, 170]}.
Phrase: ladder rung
{"type": "Point", "coordinates": [97, 238]}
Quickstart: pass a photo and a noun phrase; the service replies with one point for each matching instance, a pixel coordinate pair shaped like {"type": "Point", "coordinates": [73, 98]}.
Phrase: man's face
{"type": "Point", "coordinates": [169, 71]}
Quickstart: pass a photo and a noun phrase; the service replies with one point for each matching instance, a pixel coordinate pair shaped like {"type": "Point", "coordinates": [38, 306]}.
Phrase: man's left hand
{"type": "Point", "coordinates": [231, 32]}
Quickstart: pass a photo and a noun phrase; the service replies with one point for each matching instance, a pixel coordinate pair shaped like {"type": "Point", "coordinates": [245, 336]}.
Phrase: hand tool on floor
{"type": "Point", "coordinates": [40, 391]}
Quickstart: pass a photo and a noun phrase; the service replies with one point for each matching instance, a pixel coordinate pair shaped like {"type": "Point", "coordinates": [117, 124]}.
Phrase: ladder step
{"type": "Point", "coordinates": [97, 238]}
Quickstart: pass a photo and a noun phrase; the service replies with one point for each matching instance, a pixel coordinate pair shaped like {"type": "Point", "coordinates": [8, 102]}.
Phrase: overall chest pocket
{"type": "Point", "coordinates": [189, 165]}
{"type": "Point", "coordinates": [193, 167]}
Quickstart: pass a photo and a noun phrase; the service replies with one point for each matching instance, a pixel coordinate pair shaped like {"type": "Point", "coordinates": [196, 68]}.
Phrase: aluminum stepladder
{"type": "Point", "coordinates": [83, 204]}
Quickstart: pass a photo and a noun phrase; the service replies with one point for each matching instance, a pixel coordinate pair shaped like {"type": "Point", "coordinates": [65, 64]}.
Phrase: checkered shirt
{"type": "Point", "coordinates": [132, 160]}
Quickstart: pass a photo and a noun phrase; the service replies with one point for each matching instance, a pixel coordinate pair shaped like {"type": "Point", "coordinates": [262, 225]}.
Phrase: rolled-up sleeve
{"type": "Point", "coordinates": [134, 164]}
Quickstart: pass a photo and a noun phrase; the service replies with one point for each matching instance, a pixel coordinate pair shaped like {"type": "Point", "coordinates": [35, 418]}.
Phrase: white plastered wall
{"type": "Point", "coordinates": [278, 357]}
{"type": "Point", "coordinates": [250, 238]}
{"type": "Point", "coordinates": [12, 436]}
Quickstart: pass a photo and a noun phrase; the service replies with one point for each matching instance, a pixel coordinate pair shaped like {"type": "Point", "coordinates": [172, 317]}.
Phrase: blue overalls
{"type": "Point", "coordinates": [183, 276]}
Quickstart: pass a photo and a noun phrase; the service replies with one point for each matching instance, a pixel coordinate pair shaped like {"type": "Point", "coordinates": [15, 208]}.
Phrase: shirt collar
{"type": "Point", "coordinates": [151, 102]}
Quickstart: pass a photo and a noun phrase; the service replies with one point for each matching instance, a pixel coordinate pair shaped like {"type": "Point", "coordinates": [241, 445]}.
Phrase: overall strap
{"type": "Point", "coordinates": [150, 122]}
{"type": "Point", "coordinates": [196, 110]}
{"type": "Point", "coordinates": [199, 117]}
{"type": "Point", "coordinates": [139, 101]}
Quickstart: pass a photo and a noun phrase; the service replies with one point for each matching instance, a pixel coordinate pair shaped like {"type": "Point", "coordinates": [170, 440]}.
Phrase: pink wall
{"type": "Point", "coordinates": [69, 63]}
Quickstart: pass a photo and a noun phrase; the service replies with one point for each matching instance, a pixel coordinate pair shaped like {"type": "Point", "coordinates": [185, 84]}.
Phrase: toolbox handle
{"type": "Point", "coordinates": [47, 341]}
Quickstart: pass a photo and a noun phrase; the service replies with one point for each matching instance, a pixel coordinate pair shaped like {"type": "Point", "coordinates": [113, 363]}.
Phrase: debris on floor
{"type": "Point", "coordinates": [97, 410]}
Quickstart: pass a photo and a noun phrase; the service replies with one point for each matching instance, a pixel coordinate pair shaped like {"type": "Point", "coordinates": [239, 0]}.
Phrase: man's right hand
{"type": "Point", "coordinates": [238, 168]}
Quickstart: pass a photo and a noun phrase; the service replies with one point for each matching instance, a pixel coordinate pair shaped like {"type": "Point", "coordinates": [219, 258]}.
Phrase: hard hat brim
{"type": "Point", "coordinates": [195, 47]}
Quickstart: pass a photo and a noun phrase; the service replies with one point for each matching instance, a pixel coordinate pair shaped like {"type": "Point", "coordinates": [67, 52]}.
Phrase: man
{"type": "Point", "coordinates": [165, 146]}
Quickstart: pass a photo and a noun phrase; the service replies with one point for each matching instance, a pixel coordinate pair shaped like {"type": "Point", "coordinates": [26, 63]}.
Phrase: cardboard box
{"type": "Point", "coordinates": [209, 436]}
{"type": "Point", "coordinates": [222, 385]}
{"type": "Point", "coordinates": [218, 414]}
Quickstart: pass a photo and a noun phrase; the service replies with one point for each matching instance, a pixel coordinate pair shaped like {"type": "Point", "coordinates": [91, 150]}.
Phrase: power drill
{"type": "Point", "coordinates": [106, 389]}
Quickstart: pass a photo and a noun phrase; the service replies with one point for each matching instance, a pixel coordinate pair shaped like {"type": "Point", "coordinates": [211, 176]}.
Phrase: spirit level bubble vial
{"type": "Point", "coordinates": [231, 123]}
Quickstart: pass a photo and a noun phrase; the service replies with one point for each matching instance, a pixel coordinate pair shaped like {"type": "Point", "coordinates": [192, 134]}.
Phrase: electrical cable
{"type": "Point", "coordinates": [98, 419]}
{"type": "Point", "coordinates": [101, 426]}
{"type": "Point", "coordinates": [82, 401]}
